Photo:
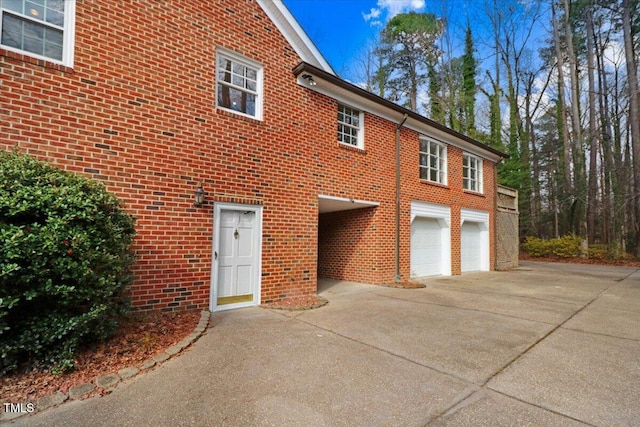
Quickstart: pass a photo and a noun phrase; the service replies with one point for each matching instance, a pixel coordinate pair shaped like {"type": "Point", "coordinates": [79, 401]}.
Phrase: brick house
{"type": "Point", "coordinates": [300, 169]}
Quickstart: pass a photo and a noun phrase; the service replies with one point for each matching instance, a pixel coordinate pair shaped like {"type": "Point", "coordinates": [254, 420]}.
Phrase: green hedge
{"type": "Point", "coordinates": [65, 261]}
{"type": "Point", "coordinates": [562, 247]}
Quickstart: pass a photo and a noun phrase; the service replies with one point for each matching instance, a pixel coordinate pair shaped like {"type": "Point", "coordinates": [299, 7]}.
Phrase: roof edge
{"type": "Point", "coordinates": [305, 67]}
{"type": "Point", "coordinates": [294, 34]}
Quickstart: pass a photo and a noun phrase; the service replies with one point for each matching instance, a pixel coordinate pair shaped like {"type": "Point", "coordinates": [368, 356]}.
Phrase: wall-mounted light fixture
{"type": "Point", "coordinates": [309, 78]}
{"type": "Point", "coordinates": [198, 197]}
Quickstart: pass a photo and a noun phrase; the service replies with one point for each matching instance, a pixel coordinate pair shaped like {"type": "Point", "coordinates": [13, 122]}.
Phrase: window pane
{"type": "Point", "coordinates": [33, 30]}
{"type": "Point", "coordinates": [237, 100]}
{"type": "Point", "coordinates": [15, 5]}
{"type": "Point", "coordinates": [433, 162]}
{"type": "Point", "coordinates": [238, 69]}
{"type": "Point", "coordinates": [52, 50]}
{"type": "Point", "coordinates": [57, 5]}
{"type": "Point", "coordinates": [224, 68]}
{"type": "Point", "coordinates": [237, 80]}
{"type": "Point", "coordinates": [33, 10]}
{"type": "Point", "coordinates": [55, 18]}
{"type": "Point", "coordinates": [11, 31]}
{"type": "Point", "coordinates": [433, 175]}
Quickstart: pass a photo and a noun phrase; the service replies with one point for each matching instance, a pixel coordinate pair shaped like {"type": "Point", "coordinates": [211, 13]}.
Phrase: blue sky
{"type": "Point", "coordinates": [342, 28]}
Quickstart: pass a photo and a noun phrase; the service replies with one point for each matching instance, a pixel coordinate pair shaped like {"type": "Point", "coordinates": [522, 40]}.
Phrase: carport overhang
{"type": "Point", "coordinates": [328, 204]}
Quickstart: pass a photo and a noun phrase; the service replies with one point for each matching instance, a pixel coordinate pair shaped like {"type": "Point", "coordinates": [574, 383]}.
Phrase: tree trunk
{"type": "Point", "coordinates": [576, 129]}
{"type": "Point", "coordinates": [592, 200]}
{"type": "Point", "coordinates": [634, 112]}
{"type": "Point", "coordinates": [562, 119]}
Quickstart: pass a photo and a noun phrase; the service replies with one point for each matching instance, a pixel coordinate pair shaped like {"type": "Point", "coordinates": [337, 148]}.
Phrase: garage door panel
{"type": "Point", "coordinates": [426, 247]}
{"type": "Point", "coordinates": [471, 246]}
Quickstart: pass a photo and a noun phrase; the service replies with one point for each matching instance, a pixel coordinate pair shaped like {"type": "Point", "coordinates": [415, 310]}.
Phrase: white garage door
{"type": "Point", "coordinates": [426, 247]}
{"type": "Point", "coordinates": [471, 246]}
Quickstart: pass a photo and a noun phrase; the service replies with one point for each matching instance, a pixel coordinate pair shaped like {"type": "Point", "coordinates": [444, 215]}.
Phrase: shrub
{"type": "Point", "coordinates": [536, 247]}
{"type": "Point", "coordinates": [65, 262]}
{"type": "Point", "coordinates": [562, 247]}
{"type": "Point", "coordinates": [606, 252]}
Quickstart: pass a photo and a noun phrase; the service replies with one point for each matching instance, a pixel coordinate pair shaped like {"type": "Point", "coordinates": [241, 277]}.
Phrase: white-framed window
{"type": "Point", "coordinates": [239, 84]}
{"type": "Point", "coordinates": [43, 29]}
{"type": "Point", "coordinates": [433, 161]}
{"type": "Point", "coordinates": [350, 129]}
{"type": "Point", "coordinates": [472, 173]}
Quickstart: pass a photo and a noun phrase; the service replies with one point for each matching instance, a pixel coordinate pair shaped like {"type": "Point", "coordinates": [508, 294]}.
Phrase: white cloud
{"type": "Point", "coordinates": [391, 8]}
{"type": "Point", "coordinates": [371, 15]}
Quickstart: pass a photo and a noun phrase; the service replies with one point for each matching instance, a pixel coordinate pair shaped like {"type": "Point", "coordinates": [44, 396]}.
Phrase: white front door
{"type": "Point", "coordinates": [236, 263]}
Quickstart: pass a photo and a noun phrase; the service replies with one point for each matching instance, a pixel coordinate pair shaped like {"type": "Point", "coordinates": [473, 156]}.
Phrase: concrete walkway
{"type": "Point", "coordinates": [547, 344]}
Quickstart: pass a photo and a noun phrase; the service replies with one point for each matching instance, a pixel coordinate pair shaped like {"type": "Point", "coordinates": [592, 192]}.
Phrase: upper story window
{"type": "Point", "coordinates": [239, 84]}
{"type": "Point", "coordinates": [39, 28]}
{"type": "Point", "coordinates": [472, 173]}
{"type": "Point", "coordinates": [350, 129]}
{"type": "Point", "coordinates": [433, 161]}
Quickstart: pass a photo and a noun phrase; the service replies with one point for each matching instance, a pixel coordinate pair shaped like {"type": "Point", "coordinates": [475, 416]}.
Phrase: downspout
{"type": "Point", "coordinates": [495, 216]}
{"type": "Point", "coordinates": [398, 127]}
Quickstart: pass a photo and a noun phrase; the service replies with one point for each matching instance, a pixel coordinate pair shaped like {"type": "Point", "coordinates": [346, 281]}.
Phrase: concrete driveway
{"type": "Point", "coordinates": [547, 344]}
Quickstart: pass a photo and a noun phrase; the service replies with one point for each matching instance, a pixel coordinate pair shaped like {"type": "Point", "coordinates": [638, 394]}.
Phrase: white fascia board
{"type": "Point", "coordinates": [439, 135]}
{"type": "Point", "coordinates": [354, 100]}
{"type": "Point", "coordinates": [294, 34]}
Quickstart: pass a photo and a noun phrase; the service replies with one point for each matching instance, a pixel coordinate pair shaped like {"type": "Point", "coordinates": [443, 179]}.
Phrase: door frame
{"type": "Point", "coordinates": [218, 207]}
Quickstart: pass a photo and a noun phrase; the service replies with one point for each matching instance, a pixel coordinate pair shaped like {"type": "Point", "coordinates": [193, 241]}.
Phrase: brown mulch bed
{"type": "Point", "coordinates": [404, 285]}
{"type": "Point", "coordinates": [306, 302]}
{"type": "Point", "coordinates": [139, 337]}
{"type": "Point", "coordinates": [618, 262]}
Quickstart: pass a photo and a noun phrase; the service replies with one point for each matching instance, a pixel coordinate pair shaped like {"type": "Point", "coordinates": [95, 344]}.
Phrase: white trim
{"type": "Point", "coordinates": [247, 62]}
{"type": "Point", "coordinates": [360, 127]}
{"type": "Point", "coordinates": [479, 173]}
{"type": "Point", "coordinates": [443, 214]}
{"type": "Point", "coordinates": [257, 288]}
{"type": "Point", "coordinates": [68, 40]}
{"type": "Point", "coordinates": [294, 34]}
{"type": "Point", "coordinates": [482, 219]}
{"type": "Point", "coordinates": [335, 204]}
{"type": "Point", "coordinates": [445, 163]}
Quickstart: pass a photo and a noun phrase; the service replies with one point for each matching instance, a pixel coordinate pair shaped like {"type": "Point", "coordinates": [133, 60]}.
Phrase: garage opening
{"type": "Point", "coordinates": [345, 232]}
{"type": "Point", "coordinates": [474, 240]}
{"type": "Point", "coordinates": [430, 239]}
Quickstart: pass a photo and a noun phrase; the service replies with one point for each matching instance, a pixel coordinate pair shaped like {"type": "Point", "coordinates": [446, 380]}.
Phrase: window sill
{"type": "Point", "coordinates": [435, 184]}
{"type": "Point", "coordinates": [474, 193]}
{"type": "Point", "coordinates": [23, 57]}
{"type": "Point", "coordinates": [244, 117]}
{"type": "Point", "coordinates": [351, 148]}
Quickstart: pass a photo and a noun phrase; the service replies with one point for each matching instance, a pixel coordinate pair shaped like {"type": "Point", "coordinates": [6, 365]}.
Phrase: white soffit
{"type": "Point", "coordinates": [328, 204]}
{"type": "Point", "coordinates": [294, 33]}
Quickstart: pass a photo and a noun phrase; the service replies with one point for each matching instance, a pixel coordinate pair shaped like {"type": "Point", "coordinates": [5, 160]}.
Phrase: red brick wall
{"type": "Point", "coordinates": [452, 194]}
{"type": "Point", "coordinates": [347, 246]}
{"type": "Point", "coordinates": [137, 111]}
